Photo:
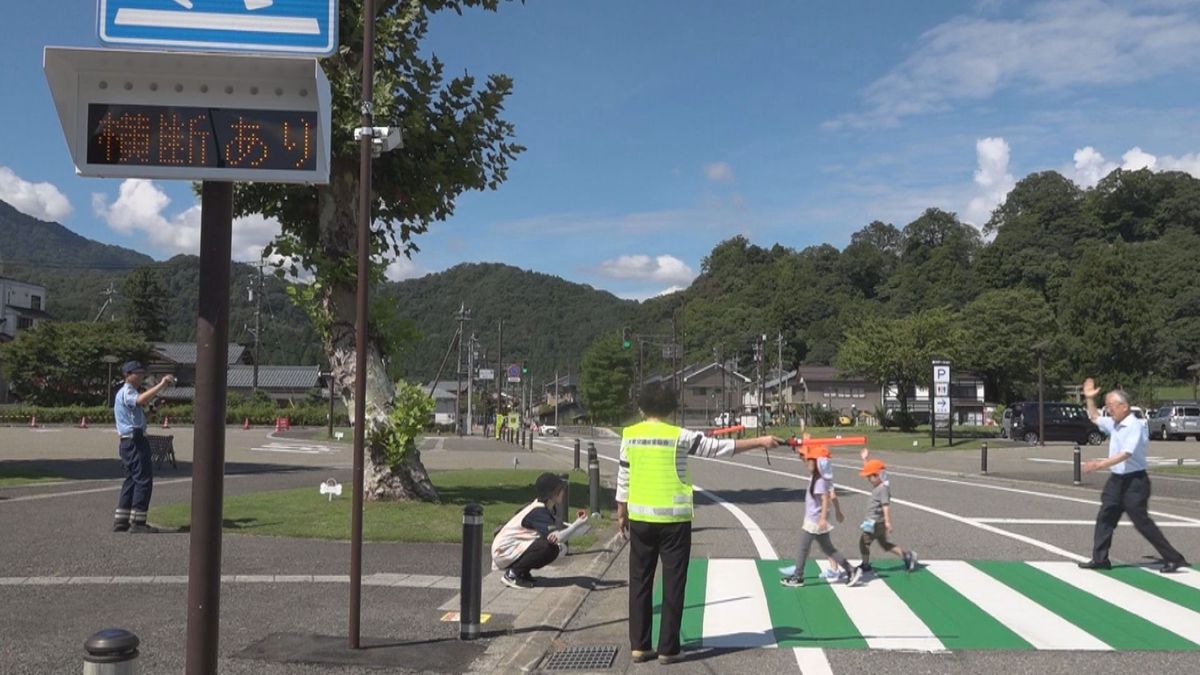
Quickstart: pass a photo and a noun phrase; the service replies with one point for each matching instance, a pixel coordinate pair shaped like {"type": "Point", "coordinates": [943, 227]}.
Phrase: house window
{"type": "Point", "coordinates": [699, 391]}
{"type": "Point", "coordinates": [859, 392]}
{"type": "Point", "coordinates": [24, 322]}
{"type": "Point", "coordinates": [35, 302]}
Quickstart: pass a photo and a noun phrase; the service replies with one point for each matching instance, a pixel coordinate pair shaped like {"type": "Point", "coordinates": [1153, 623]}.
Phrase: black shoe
{"type": "Point", "coordinates": [641, 655]}
{"type": "Point", "coordinates": [513, 581]}
{"type": "Point", "coordinates": [793, 581]}
{"type": "Point", "coordinates": [1095, 565]}
{"type": "Point", "coordinates": [120, 527]}
{"type": "Point", "coordinates": [142, 528]}
{"type": "Point", "coordinates": [1172, 567]}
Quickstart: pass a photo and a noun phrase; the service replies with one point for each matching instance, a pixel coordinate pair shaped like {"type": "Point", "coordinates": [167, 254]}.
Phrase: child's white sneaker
{"type": "Point", "coordinates": [832, 575]}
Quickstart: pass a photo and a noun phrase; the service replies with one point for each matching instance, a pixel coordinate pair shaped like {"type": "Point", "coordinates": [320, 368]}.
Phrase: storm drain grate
{"type": "Point", "coordinates": [584, 657]}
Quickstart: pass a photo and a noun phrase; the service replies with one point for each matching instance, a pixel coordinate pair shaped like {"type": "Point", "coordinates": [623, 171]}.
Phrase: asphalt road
{"type": "Point", "coordinates": [944, 511]}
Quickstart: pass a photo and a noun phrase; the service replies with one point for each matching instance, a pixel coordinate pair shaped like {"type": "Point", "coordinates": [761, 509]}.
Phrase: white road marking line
{"type": "Point", "coordinates": [812, 661]}
{"type": "Point", "coordinates": [1185, 576]}
{"type": "Point", "coordinates": [740, 619]}
{"type": "Point", "coordinates": [1053, 521]}
{"type": "Point", "coordinates": [1035, 624]}
{"type": "Point", "coordinates": [884, 620]}
{"type": "Point", "coordinates": [761, 544]}
{"type": "Point", "coordinates": [1175, 618]}
{"type": "Point", "coordinates": [51, 495]}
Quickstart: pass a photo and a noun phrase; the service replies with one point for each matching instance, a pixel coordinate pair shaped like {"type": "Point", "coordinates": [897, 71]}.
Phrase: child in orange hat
{"type": "Point", "coordinates": [878, 523]}
{"type": "Point", "coordinates": [817, 500]}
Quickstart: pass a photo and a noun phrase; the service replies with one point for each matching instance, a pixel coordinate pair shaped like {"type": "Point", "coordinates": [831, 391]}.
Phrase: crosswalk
{"type": "Point", "coordinates": [947, 605]}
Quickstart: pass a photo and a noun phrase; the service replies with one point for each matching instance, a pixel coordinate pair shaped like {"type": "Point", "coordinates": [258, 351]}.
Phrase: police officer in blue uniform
{"type": "Point", "coordinates": [134, 448]}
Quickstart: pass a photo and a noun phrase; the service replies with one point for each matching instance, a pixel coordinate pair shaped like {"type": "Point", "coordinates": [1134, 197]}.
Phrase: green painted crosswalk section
{"type": "Point", "coordinates": [948, 605]}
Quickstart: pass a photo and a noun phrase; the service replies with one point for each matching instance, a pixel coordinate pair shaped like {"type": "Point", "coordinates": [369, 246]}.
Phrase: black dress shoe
{"type": "Point", "coordinates": [1096, 565]}
{"type": "Point", "coordinates": [1171, 567]}
{"type": "Point", "coordinates": [138, 528]}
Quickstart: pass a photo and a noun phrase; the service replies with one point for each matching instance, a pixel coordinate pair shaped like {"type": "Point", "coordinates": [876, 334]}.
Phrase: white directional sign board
{"type": "Point", "coordinates": [941, 406]}
{"type": "Point", "coordinates": [271, 26]}
{"type": "Point", "coordinates": [941, 389]}
{"type": "Point", "coordinates": [941, 373]}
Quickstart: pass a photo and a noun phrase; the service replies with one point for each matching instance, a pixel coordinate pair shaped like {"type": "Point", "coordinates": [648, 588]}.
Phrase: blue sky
{"type": "Point", "coordinates": [657, 129]}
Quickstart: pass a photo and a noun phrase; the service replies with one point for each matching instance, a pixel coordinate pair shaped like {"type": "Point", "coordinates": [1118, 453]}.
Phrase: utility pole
{"type": "Point", "coordinates": [108, 293]}
{"type": "Point", "coordinates": [556, 403]}
{"type": "Point", "coordinates": [472, 347]}
{"type": "Point", "coordinates": [462, 316]}
{"type": "Point", "coordinates": [779, 372]}
{"type": "Point", "coordinates": [500, 376]}
{"type": "Point", "coordinates": [256, 284]}
{"type": "Point", "coordinates": [675, 365]}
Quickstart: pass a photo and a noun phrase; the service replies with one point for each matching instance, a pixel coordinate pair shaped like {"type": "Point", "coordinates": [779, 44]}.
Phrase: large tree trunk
{"type": "Point", "coordinates": [407, 478]}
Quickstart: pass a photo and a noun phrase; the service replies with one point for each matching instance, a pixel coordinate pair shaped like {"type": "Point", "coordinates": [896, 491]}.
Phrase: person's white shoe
{"type": "Point", "coordinates": [855, 577]}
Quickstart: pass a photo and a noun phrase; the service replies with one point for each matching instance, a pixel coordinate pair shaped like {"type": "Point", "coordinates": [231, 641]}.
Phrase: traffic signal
{"type": "Point", "coordinates": [626, 338]}
{"type": "Point", "coordinates": [524, 370]}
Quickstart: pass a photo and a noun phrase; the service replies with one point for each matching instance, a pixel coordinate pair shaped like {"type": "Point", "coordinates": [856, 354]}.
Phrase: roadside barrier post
{"type": "Point", "coordinates": [576, 454]}
{"type": "Point", "coordinates": [983, 459]}
{"type": "Point", "coordinates": [593, 480]}
{"type": "Point", "coordinates": [560, 514]}
{"type": "Point", "coordinates": [112, 651]}
{"type": "Point", "coordinates": [471, 587]}
{"type": "Point", "coordinates": [1077, 456]}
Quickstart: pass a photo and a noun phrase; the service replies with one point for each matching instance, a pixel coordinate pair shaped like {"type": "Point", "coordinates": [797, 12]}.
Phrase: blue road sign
{"type": "Point", "coordinates": [276, 26]}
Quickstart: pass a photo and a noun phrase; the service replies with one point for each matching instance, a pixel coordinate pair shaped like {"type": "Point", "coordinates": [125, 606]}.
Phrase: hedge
{"type": "Point", "coordinates": [258, 414]}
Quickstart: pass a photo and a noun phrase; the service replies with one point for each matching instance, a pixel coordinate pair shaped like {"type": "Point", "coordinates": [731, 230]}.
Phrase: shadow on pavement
{"type": "Point", "coordinates": [434, 654]}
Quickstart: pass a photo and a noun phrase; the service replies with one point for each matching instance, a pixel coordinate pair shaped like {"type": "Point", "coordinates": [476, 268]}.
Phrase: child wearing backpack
{"type": "Point", "coordinates": [878, 522]}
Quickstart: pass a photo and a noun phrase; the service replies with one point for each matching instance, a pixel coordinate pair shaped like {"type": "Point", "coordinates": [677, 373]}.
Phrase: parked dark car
{"type": "Point", "coordinates": [1064, 422]}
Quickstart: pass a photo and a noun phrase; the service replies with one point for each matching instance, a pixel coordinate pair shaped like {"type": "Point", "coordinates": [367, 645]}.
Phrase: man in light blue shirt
{"type": "Point", "coordinates": [134, 448]}
{"type": "Point", "coordinates": [1128, 488]}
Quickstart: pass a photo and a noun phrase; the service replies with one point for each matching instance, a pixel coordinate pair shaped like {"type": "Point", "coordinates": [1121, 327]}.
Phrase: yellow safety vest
{"type": "Point", "coordinates": [660, 483]}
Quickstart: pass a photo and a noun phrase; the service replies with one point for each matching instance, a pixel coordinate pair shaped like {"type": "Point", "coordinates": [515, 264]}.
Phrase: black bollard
{"type": "Point", "coordinates": [560, 513]}
{"type": "Point", "coordinates": [112, 651]}
{"type": "Point", "coordinates": [471, 588]}
{"type": "Point", "coordinates": [1077, 459]}
{"type": "Point", "coordinates": [576, 454]}
{"type": "Point", "coordinates": [983, 459]}
{"type": "Point", "coordinates": [522, 437]}
{"type": "Point", "coordinates": [593, 480]}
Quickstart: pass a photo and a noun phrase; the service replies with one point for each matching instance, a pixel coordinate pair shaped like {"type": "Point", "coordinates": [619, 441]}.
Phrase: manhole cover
{"type": "Point", "coordinates": [585, 657]}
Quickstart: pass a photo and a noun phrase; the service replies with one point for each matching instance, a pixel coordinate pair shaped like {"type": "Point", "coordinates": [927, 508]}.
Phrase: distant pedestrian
{"type": "Point", "coordinates": [818, 499]}
{"type": "Point", "coordinates": [1128, 488]}
{"type": "Point", "coordinates": [878, 522]}
{"type": "Point", "coordinates": [134, 448]}
{"type": "Point", "coordinates": [654, 511]}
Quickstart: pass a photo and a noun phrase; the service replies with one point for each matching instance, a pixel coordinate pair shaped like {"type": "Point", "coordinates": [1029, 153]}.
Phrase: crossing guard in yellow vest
{"type": "Point", "coordinates": [654, 511]}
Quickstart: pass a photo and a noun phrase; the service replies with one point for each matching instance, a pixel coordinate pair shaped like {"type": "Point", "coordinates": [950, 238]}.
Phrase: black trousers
{"type": "Point", "coordinates": [539, 554]}
{"type": "Point", "coordinates": [1129, 494]}
{"type": "Point", "coordinates": [134, 500]}
{"type": "Point", "coordinates": [647, 543]}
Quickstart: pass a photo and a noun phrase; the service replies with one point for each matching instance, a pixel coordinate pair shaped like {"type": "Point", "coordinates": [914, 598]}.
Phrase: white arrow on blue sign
{"type": "Point", "coordinates": [276, 26]}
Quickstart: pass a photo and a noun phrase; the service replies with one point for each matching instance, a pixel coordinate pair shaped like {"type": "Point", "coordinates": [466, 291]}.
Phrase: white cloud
{"type": "Point", "coordinates": [664, 268]}
{"type": "Point", "coordinates": [1054, 46]}
{"type": "Point", "coordinates": [1090, 166]}
{"type": "Point", "coordinates": [992, 178]}
{"type": "Point", "coordinates": [40, 200]}
{"type": "Point", "coordinates": [401, 268]}
{"type": "Point", "coordinates": [646, 294]}
{"type": "Point", "coordinates": [719, 172]}
{"type": "Point", "coordinates": [140, 208]}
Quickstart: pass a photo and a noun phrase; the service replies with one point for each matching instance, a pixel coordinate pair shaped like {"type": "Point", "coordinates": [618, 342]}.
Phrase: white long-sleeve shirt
{"type": "Point", "coordinates": [690, 443]}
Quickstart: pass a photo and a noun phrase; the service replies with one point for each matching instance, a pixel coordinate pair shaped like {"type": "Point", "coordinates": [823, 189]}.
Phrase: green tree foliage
{"type": "Point", "coordinates": [605, 378]}
{"type": "Point", "coordinates": [999, 331]}
{"type": "Point", "coordinates": [937, 264]}
{"type": "Point", "coordinates": [145, 301]}
{"type": "Point", "coordinates": [899, 351]}
{"type": "Point", "coordinates": [455, 140]}
{"type": "Point", "coordinates": [59, 363]}
{"type": "Point", "coordinates": [1108, 320]}
{"type": "Point", "coordinates": [411, 413]}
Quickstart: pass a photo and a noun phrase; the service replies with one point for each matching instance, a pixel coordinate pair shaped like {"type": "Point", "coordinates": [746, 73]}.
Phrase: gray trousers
{"type": "Point", "coordinates": [826, 544]}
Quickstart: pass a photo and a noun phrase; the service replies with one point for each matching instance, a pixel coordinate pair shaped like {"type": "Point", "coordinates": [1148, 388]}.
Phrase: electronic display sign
{"type": "Point", "coordinates": [195, 137]}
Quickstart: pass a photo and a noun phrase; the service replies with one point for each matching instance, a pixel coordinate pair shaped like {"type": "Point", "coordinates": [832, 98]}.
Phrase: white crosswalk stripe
{"type": "Point", "coordinates": [1035, 624]}
{"type": "Point", "coordinates": [884, 619]}
{"type": "Point", "coordinates": [1175, 618]}
{"type": "Point", "coordinates": [737, 614]}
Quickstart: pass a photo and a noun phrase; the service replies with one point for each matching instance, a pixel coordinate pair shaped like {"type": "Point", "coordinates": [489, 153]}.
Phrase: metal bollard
{"type": "Point", "coordinates": [471, 587]}
{"type": "Point", "coordinates": [1077, 459]}
{"type": "Point", "coordinates": [531, 440]}
{"type": "Point", "coordinates": [983, 459]}
{"type": "Point", "coordinates": [593, 480]}
{"type": "Point", "coordinates": [112, 651]}
{"type": "Point", "coordinates": [576, 454]}
{"type": "Point", "coordinates": [560, 514]}
{"type": "Point", "coordinates": [522, 437]}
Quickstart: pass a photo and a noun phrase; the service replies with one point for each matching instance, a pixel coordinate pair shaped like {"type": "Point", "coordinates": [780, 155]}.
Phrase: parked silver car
{"type": "Point", "coordinates": [1175, 421]}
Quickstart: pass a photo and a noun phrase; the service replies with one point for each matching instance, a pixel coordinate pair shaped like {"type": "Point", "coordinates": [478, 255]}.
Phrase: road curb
{"type": "Point", "coordinates": [537, 627]}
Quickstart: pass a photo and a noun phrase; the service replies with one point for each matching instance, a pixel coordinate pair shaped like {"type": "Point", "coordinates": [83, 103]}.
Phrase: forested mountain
{"type": "Point", "coordinates": [1106, 280]}
{"type": "Point", "coordinates": [548, 322]}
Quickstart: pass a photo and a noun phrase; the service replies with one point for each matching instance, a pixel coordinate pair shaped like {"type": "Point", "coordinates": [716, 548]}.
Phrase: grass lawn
{"type": "Point", "coordinates": [1189, 470]}
{"type": "Point", "coordinates": [302, 512]}
{"type": "Point", "coordinates": [11, 478]}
